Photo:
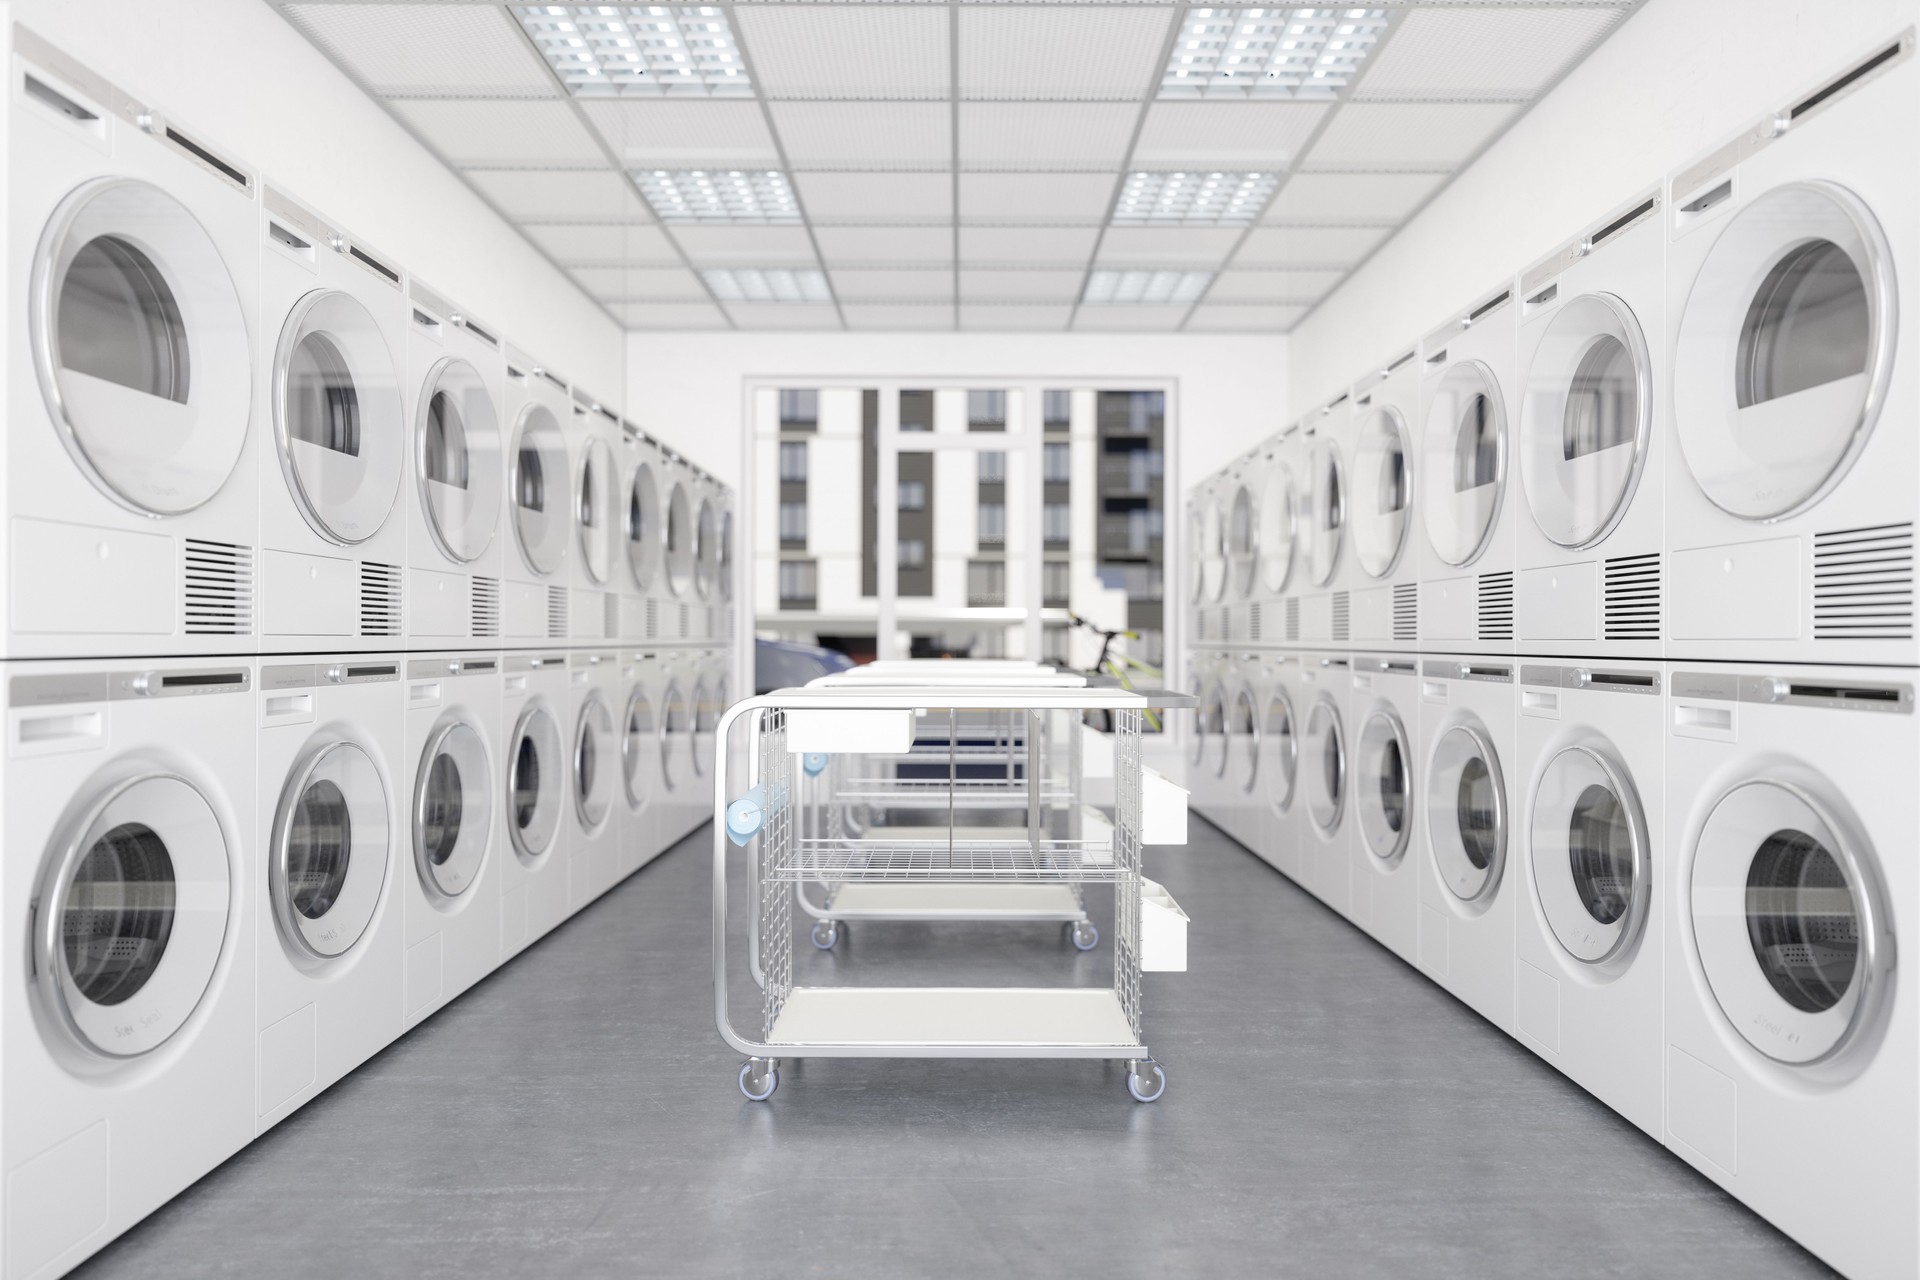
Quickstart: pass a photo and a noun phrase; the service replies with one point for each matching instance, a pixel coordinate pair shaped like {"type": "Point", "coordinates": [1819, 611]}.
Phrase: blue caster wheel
{"type": "Point", "coordinates": [1084, 935]}
{"type": "Point", "coordinates": [1145, 1080]}
{"type": "Point", "coordinates": [759, 1077]}
{"type": "Point", "coordinates": [825, 934]}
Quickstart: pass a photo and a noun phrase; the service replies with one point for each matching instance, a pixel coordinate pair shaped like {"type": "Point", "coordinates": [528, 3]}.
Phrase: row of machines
{"type": "Point", "coordinates": [1571, 656]}
{"type": "Point", "coordinates": [348, 651]}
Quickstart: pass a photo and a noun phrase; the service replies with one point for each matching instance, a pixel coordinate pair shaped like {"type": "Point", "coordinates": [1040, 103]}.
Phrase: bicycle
{"type": "Point", "coordinates": [1122, 667]}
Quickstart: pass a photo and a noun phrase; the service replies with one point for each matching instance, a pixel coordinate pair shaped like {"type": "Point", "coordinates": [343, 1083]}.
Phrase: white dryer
{"type": "Point", "coordinates": [333, 840]}
{"type": "Point", "coordinates": [644, 529]}
{"type": "Point", "coordinates": [593, 774]}
{"type": "Point", "coordinates": [132, 499]}
{"type": "Point", "coordinates": [1244, 683]}
{"type": "Point", "coordinates": [1467, 885]}
{"type": "Point", "coordinates": [707, 518]}
{"type": "Point", "coordinates": [1277, 783]}
{"type": "Point", "coordinates": [679, 549]}
{"type": "Point", "coordinates": [726, 587]}
{"type": "Point", "coordinates": [1792, 1016]}
{"type": "Point", "coordinates": [680, 800]}
{"type": "Point", "coordinates": [1384, 614]}
{"type": "Point", "coordinates": [1239, 525]}
{"type": "Point", "coordinates": [537, 564]}
{"type": "Point", "coordinates": [536, 860]}
{"type": "Point", "coordinates": [1326, 779]}
{"type": "Point", "coordinates": [1468, 506]}
{"type": "Point", "coordinates": [640, 780]}
{"type": "Point", "coordinates": [1326, 445]}
{"type": "Point", "coordinates": [333, 542]}
{"type": "Point", "coordinates": [1587, 985]}
{"type": "Point", "coordinates": [452, 893]}
{"type": "Point", "coordinates": [1796, 378]}
{"type": "Point", "coordinates": [1276, 534]}
{"type": "Point", "coordinates": [1386, 800]}
{"type": "Point", "coordinates": [1593, 356]}
{"type": "Point", "coordinates": [456, 475]}
{"type": "Point", "coordinates": [595, 440]}
{"type": "Point", "coordinates": [1208, 755]}
{"type": "Point", "coordinates": [128, 1066]}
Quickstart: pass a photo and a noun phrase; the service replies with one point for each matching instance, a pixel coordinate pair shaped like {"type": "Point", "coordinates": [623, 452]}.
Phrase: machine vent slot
{"type": "Point", "coordinates": [1494, 608]}
{"type": "Point", "coordinates": [610, 611]}
{"type": "Point", "coordinates": [1293, 617]}
{"type": "Point", "coordinates": [482, 334]}
{"type": "Point", "coordinates": [1342, 615]}
{"type": "Point", "coordinates": [556, 613]}
{"type": "Point", "coordinates": [1630, 608]}
{"type": "Point", "coordinates": [238, 177]}
{"type": "Point", "coordinates": [216, 588]}
{"type": "Point", "coordinates": [686, 622]}
{"type": "Point", "coordinates": [373, 264]}
{"type": "Point", "coordinates": [1863, 583]}
{"type": "Point", "coordinates": [485, 602]}
{"type": "Point", "coordinates": [1878, 60]}
{"type": "Point", "coordinates": [1253, 621]}
{"type": "Point", "coordinates": [1406, 611]}
{"type": "Point", "coordinates": [653, 620]}
{"type": "Point", "coordinates": [1883, 694]}
{"type": "Point", "coordinates": [1494, 303]}
{"type": "Point", "coordinates": [379, 598]}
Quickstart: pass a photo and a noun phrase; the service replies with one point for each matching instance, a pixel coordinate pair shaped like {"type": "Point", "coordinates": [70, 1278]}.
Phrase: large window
{"type": "Point", "coordinates": [986, 583]}
{"type": "Point", "coordinates": [913, 553]}
{"type": "Point", "coordinates": [793, 461]}
{"type": "Point", "coordinates": [793, 524]}
{"type": "Point", "coordinates": [993, 467]}
{"type": "Point", "coordinates": [1057, 411]}
{"type": "Point", "coordinates": [993, 524]}
{"type": "Point", "coordinates": [1056, 522]}
{"type": "Point", "coordinates": [913, 495]}
{"type": "Point", "coordinates": [799, 410]}
{"type": "Point", "coordinates": [1056, 584]}
{"type": "Point", "coordinates": [1057, 463]}
{"type": "Point", "coordinates": [797, 589]}
{"type": "Point", "coordinates": [986, 411]}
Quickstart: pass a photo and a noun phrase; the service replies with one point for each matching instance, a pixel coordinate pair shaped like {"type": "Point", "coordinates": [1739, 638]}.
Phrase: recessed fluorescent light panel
{"type": "Point", "coordinates": [771, 284]}
{"type": "Point", "coordinates": [1105, 287]}
{"type": "Point", "coordinates": [1194, 199]}
{"type": "Point", "coordinates": [1270, 53]}
{"type": "Point", "coordinates": [632, 50]}
{"type": "Point", "coordinates": [718, 195]}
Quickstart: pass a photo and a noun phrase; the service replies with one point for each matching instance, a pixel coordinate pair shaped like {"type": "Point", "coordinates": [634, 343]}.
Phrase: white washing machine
{"type": "Point", "coordinates": [593, 774]}
{"type": "Point", "coordinates": [132, 490]}
{"type": "Point", "coordinates": [726, 588]}
{"type": "Point", "coordinates": [1277, 784]}
{"type": "Point", "coordinates": [333, 837]}
{"type": "Point", "coordinates": [1593, 356]}
{"type": "Point", "coordinates": [1239, 516]}
{"type": "Point", "coordinates": [456, 482]}
{"type": "Point", "coordinates": [536, 850]}
{"type": "Point", "coordinates": [1467, 885]}
{"type": "Point", "coordinates": [1587, 982]}
{"type": "Point", "coordinates": [1796, 472]}
{"type": "Point", "coordinates": [1326, 779]}
{"type": "Point", "coordinates": [594, 438]}
{"type": "Point", "coordinates": [1324, 598]}
{"type": "Point", "coordinates": [680, 798]}
{"type": "Point", "coordinates": [1208, 774]}
{"type": "Point", "coordinates": [1386, 800]}
{"type": "Point", "coordinates": [1469, 508]}
{"type": "Point", "coordinates": [640, 780]}
{"type": "Point", "coordinates": [706, 558]}
{"type": "Point", "coordinates": [1792, 1020]}
{"type": "Point", "coordinates": [1276, 532]}
{"type": "Point", "coordinates": [713, 695]}
{"type": "Point", "coordinates": [678, 549]}
{"type": "Point", "coordinates": [452, 894]}
{"type": "Point", "coordinates": [1240, 804]}
{"type": "Point", "coordinates": [1385, 606]}
{"type": "Point", "coordinates": [537, 564]}
{"type": "Point", "coordinates": [644, 526]}
{"type": "Point", "coordinates": [333, 418]}
{"type": "Point", "coordinates": [128, 1069]}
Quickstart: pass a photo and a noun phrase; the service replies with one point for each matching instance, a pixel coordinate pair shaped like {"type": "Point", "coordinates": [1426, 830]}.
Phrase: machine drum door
{"type": "Point", "coordinates": [1213, 541]}
{"type": "Point", "coordinates": [1467, 813]}
{"type": "Point", "coordinates": [1463, 473]}
{"type": "Point", "coordinates": [706, 719]}
{"type": "Point", "coordinates": [1281, 741]}
{"type": "Point", "coordinates": [457, 442]}
{"type": "Point", "coordinates": [1383, 767]}
{"type": "Point", "coordinates": [1242, 548]}
{"type": "Point", "coordinates": [636, 740]}
{"type": "Point", "coordinates": [1382, 492]}
{"type": "Point", "coordinates": [452, 811]}
{"type": "Point", "coordinates": [1785, 350]}
{"type": "Point", "coordinates": [593, 758]}
{"type": "Point", "coordinates": [1585, 420]}
{"type": "Point", "coordinates": [679, 549]}
{"type": "Point", "coordinates": [1326, 761]}
{"type": "Point", "coordinates": [675, 724]}
{"type": "Point", "coordinates": [331, 844]}
{"type": "Point", "coordinates": [140, 346]}
{"type": "Point", "coordinates": [1243, 741]}
{"type": "Point", "coordinates": [593, 510]}
{"type": "Point", "coordinates": [535, 785]}
{"type": "Point", "coordinates": [1279, 519]}
{"type": "Point", "coordinates": [643, 527]}
{"type": "Point", "coordinates": [706, 550]}
{"type": "Point", "coordinates": [537, 483]}
{"type": "Point", "coordinates": [1326, 511]}
{"type": "Point", "coordinates": [131, 915]}
{"type": "Point", "coordinates": [1791, 921]}
{"type": "Point", "coordinates": [1213, 715]}
{"type": "Point", "coordinates": [337, 416]}
{"type": "Point", "coordinates": [1590, 855]}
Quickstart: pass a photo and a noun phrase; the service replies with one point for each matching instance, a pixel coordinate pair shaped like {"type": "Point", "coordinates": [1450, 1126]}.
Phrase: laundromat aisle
{"type": "Point", "coordinates": [575, 1116]}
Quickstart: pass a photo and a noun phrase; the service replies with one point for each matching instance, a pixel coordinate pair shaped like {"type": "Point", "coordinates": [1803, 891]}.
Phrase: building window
{"type": "Point", "coordinates": [916, 410]}
{"type": "Point", "coordinates": [913, 553]}
{"type": "Point", "coordinates": [993, 524]}
{"type": "Point", "coordinates": [1053, 646]}
{"type": "Point", "coordinates": [1057, 463]}
{"type": "Point", "coordinates": [793, 462]}
{"type": "Point", "coordinates": [1056, 522]}
{"type": "Point", "coordinates": [913, 495]}
{"type": "Point", "coordinates": [993, 467]}
{"type": "Point", "coordinates": [1057, 411]}
{"type": "Point", "coordinates": [799, 410]}
{"type": "Point", "coordinates": [793, 524]}
{"type": "Point", "coordinates": [986, 411]}
{"type": "Point", "coordinates": [797, 583]}
{"type": "Point", "coordinates": [986, 583]}
{"type": "Point", "coordinates": [1056, 583]}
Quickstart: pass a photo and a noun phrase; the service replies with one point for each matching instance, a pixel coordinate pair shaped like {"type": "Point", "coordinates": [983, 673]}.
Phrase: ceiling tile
{"type": "Point", "coordinates": [876, 197]}
{"type": "Point", "coordinates": [1021, 286]}
{"type": "Point", "coordinates": [1065, 52]}
{"type": "Point", "coordinates": [1167, 246]}
{"type": "Point", "coordinates": [783, 315]}
{"type": "Point", "coordinates": [846, 51]}
{"type": "Point", "coordinates": [483, 131]}
{"type": "Point", "coordinates": [1073, 136]}
{"type": "Point", "coordinates": [723, 246]}
{"type": "Point", "coordinates": [1414, 136]}
{"type": "Point", "coordinates": [867, 285]}
{"type": "Point", "coordinates": [1232, 135]}
{"type": "Point", "coordinates": [1030, 198]}
{"type": "Point", "coordinates": [640, 284]}
{"type": "Point", "coordinates": [601, 243]}
{"type": "Point", "coordinates": [439, 50]}
{"type": "Point", "coordinates": [669, 315]}
{"type": "Point", "coordinates": [1303, 246]}
{"type": "Point", "coordinates": [864, 135]}
{"type": "Point", "coordinates": [1053, 246]}
{"type": "Point", "coordinates": [889, 246]}
{"type": "Point", "coordinates": [560, 195]}
{"type": "Point", "coordinates": [1015, 319]}
{"type": "Point", "coordinates": [684, 133]}
{"type": "Point", "coordinates": [1154, 318]}
{"type": "Point", "coordinates": [1228, 318]}
{"type": "Point", "coordinates": [1351, 197]}
{"type": "Point", "coordinates": [898, 317]}
{"type": "Point", "coordinates": [1272, 286]}
{"type": "Point", "coordinates": [1483, 53]}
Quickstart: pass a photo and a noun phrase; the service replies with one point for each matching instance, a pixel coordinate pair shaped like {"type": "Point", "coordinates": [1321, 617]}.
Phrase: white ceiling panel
{"type": "Point", "coordinates": [722, 246]}
{"type": "Point", "coordinates": [1167, 246]}
{"type": "Point", "coordinates": [1351, 197]}
{"type": "Point", "coordinates": [483, 131]}
{"type": "Point", "coordinates": [1061, 52]}
{"type": "Point", "coordinates": [428, 50]}
{"type": "Point", "coordinates": [1071, 136]}
{"type": "Point", "coordinates": [1272, 286]}
{"type": "Point", "coordinates": [846, 51]}
{"type": "Point", "coordinates": [601, 243]}
{"type": "Point", "coordinates": [890, 317]}
{"type": "Point", "coordinates": [640, 284]}
{"type": "Point", "coordinates": [865, 135]}
{"type": "Point", "coordinates": [1015, 319]}
{"type": "Point", "coordinates": [1303, 246]}
{"type": "Point", "coordinates": [876, 197]}
{"type": "Point", "coordinates": [1226, 135]}
{"type": "Point", "coordinates": [886, 246]}
{"type": "Point", "coordinates": [1030, 198]}
{"type": "Point", "coordinates": [1229, 318]}
{"type": "Point", "coordinates": [673, 316]}
{"type": "Point", "coordinates": [1413, 136]}
{"type": "Point", "coordinates": [1150, 318]}
{"type": "Point", "coordinates": [560, 195]}
{"type": "Point", "coordinates": [1482, 53]}
{"type": "Point", "coordinates": [869, 285]}
{"type": "Point", "coordinates": [1053, 246]}
{"type": "Point", "coordinates": [684, 133]}
{"type": "Point", "coordinates": [1020, 286]}
{"type": "Point", "coordinates": [783, 315]}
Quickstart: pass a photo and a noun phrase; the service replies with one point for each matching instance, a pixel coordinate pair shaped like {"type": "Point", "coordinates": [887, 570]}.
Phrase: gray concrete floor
{"type": "Point", "coordinates": [1329, 1113]}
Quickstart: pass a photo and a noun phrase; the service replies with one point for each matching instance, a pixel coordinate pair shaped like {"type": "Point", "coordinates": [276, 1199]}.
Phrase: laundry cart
{"type": "Point", "coordinates": [784, 817]}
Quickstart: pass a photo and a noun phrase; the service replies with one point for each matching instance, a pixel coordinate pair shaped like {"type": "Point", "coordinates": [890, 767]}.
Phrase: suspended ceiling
{"type": "Point", "coordinates": [919, 164]}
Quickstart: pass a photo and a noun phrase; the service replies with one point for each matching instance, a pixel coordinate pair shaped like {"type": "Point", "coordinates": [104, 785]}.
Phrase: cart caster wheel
{"type": "Point", "coordinates": [1145, 1080]}
{"type": "Point", "coordinates": [759, 1077]}
{"type": "Point", "coordinates": [825, 934]}
{"type": "Point", "coordinates": [1084, 935]}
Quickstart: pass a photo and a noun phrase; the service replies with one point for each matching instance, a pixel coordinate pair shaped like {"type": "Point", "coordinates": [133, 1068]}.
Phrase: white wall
{"type": "Point", "coordinates": [1677, 79]}
{"type": "Point", "coordinates": [235, 72]}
